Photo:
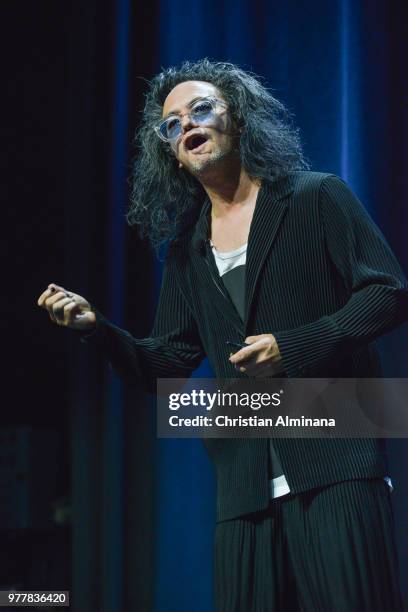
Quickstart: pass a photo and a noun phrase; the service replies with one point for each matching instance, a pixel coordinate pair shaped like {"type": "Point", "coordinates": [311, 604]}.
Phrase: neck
{"type": "Point", "coordinates": [230, 188]}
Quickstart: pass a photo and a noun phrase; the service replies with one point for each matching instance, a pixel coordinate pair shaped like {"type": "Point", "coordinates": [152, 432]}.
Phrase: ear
{"type": "Point", "coordinates": [180, 165]}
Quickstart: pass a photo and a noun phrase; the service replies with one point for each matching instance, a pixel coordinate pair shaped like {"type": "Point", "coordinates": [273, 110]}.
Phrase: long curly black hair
{"type": "Point", "coordinates": [164, 200]}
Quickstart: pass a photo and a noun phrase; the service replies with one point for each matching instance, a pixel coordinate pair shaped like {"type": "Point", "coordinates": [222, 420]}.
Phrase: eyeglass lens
{"type": "Point", "coordinates": [201, 113]}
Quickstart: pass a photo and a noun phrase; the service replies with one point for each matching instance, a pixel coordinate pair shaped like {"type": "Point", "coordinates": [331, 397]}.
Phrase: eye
{"type": "Point", "coordinates": [202, 108]}
{"type": "Point", "coordinates": [173, 127]}
{"type": "Point", "coordinates": [172, 123]}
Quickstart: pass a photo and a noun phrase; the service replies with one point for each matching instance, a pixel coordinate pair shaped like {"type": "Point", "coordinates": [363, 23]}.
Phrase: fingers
{"type": "Point", "coordinates": [259, 359]}
{"type": "Point", "coordinates": [69, 311]}
{"type": "Point", "coordinates": [247, 358]}
{"type": "Point", "coordinates": [43, 297]}
{"type": "Point", "coordinates": [51, 290]}
{"type": "Point", "coordinates": [67, 308]}
{"type": "Point", "coordinates": [54, 287]}
{"type": "Point", "coordinates": [244, 354]}
{"type": "Point", "coordinates": [55, 300]}
{"type": "Point", "coordinates": [58, 309]}
{"type": "Point", "coordinates": [252, 339]}
{"type": "Point", "coordinates": [49, 302]}
{"type": "Point", "coordinates": [262, 349]}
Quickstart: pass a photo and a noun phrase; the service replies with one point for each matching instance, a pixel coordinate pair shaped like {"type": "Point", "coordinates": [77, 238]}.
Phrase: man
{"type": "Point", "coordinates": [263, 251]}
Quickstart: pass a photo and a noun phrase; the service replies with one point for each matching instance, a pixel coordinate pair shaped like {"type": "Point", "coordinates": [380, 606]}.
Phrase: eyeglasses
{"type": "Point", "coordinates": [202, 112]}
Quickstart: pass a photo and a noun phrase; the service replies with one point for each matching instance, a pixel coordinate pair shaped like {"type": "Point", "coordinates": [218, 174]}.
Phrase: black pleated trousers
{"type": "Point", "coordinates": [331, 549]}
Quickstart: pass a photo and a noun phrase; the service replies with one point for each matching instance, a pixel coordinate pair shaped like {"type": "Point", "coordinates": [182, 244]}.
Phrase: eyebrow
{"type": "Point", "coordinates": [177, 112]}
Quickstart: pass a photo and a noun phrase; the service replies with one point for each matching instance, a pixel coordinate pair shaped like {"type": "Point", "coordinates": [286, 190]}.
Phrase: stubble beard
{"type": "Point", "coordinates": [205, 164]}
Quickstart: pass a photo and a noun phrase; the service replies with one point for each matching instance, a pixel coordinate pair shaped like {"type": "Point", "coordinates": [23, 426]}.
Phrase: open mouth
{"type": "Point", "coordinates": [195, 141]}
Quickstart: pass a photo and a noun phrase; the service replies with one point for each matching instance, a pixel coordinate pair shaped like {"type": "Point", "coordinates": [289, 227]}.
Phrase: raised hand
{"type": "Point", "coordinates": [66, 308]}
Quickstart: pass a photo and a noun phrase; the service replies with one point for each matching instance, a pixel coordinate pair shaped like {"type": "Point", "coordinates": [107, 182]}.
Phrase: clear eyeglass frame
{"type": "Point", "coordinates": [203, 119]}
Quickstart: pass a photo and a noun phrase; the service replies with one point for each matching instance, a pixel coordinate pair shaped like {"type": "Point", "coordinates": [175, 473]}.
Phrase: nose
{"type": "Point", "coordinates": [186, 122]}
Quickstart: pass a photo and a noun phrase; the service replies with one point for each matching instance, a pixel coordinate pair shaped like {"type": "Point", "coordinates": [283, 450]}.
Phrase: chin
{"type": "Point", "coordinates": [208, 162]}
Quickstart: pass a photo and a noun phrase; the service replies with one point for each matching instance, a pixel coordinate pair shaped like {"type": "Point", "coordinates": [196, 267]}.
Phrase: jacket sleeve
{"type": "Point", "coordinates": [173, 349]}
{"type": "Point", "coordinates": [376, 285]}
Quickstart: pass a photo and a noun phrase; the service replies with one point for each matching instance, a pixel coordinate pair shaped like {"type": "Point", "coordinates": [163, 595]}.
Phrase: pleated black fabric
{"type": "Point", "coordinates": [330, 549]}
{"type": "Point", "coordinates": [321, 278]}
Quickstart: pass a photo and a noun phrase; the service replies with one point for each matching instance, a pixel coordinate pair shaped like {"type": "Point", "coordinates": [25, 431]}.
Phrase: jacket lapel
{"type": "Point", "coordinates": [269, 212]}
{"type": "Point", "coordinates": [212, 285]}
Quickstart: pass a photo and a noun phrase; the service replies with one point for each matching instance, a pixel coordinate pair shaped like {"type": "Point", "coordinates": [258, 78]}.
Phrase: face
{"type": "Point", "coordinates": [200, 148]}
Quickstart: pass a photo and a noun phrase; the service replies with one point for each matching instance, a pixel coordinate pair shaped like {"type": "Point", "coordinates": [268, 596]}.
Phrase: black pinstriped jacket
{"type": "Point", "coordinates": [321, 278]}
